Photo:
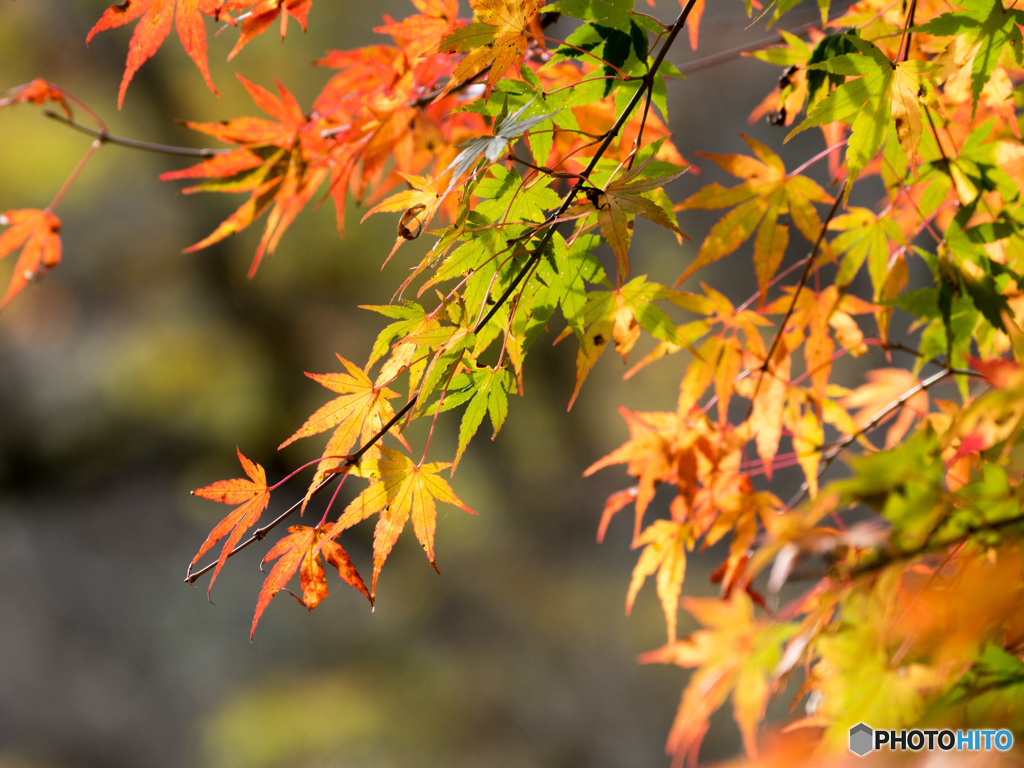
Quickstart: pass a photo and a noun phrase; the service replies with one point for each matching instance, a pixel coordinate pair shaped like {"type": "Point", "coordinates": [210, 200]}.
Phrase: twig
{"type": "Point", "coordinates": [885, 559]}
{"type": "Point", "coordinates": [830, 456]}
{"type": "Point", "coordinates": [550, 226]}
{"type": "Point", "coordinates": [106, 138]}
{"type": "Point", "coordinates": [351, 461]}
{"type": "Point", "coordinates": [723, 56]}
{"type": "Point", "coordinates": [812, 259]}
{"type": "Point", "coordinates": [72, 176]}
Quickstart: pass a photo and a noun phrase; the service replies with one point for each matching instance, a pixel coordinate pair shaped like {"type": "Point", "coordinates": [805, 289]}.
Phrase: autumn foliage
{"type": "Point", "coordinates": [888, 589]}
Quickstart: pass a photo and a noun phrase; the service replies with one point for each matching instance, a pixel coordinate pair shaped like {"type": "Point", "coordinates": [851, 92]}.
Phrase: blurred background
{"type": "Point", "coordinates": [129, 375]}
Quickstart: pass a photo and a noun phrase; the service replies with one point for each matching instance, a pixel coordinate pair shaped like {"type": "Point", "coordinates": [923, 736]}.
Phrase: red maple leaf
{"type": "Point", "coordinates": [38, 92]}
{"type": "Point", "coordinates": [302, 551]}
{"type": "Point", "coordinates": [252, 495]}
{"type": "Point", "coordinates": [155, 17]}
{"type": "Point", "coordinates": [259, 17]}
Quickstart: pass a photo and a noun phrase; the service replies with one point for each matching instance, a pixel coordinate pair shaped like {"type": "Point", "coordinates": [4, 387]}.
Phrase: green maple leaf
{"type": "Point", "coordinates": [883, 97]}
{"type": "Point", "coordinates": [491, 388]}
{"type": "Point", "coordinates": [635, 193]}
{"type": "Point", "coordinates": [612, 13]}
{"type": "Point", "coordinates": [493, 147]}
{"type": "Point", "coordinates": [865, 236]}
{"type": "Point", "coordinates": [983, 32]}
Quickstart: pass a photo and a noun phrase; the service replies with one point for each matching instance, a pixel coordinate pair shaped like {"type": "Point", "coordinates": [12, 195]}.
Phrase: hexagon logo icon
{"type": "Point", "coordinates": [861, 739]}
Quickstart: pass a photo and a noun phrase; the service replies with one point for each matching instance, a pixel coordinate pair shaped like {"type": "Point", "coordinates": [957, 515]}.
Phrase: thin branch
{"type": "Point", "coordinates": [72, 176]}
{"type": "Point", "coordinates": [905, 39]}
{"type": "Point", "coordinates": [106, 138]}
{"type": "Point", "coordinates": [550, 226]}
{"type": "Point", "coordinates": [728, 55]}
{"type": "Point", "coordinates": [829, 456]}
{"type": "Point", "coordinates": [885, 559]}
{"type": "Point", "coordinates": [812, 260]}
{"type": "Point", "coordinates": [351, 461]}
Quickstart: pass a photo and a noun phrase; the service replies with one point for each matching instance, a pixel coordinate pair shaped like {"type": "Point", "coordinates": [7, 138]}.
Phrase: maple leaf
{"type": "Point", "coordinates": [37, 233]}
{"type": "Point", "coordinates": [37, 92]}
{"type": "Point", "coordinates": [493, 147]}
{"type": "Point", "coordinates": [404, 490]}
{"type": "Point", "coordinates": [305, 550]}
{"type": "Point", "coordinates": [766, 196]}
{"type": "Point", "coordinates": [983, 33]}
{"type": "Point", "coordinates": [155, 18]}
{"type": "Point", "coordinates": [280, 163]}
{"type": "Point", "coordinates": [258, 18]}
{"type": "Point", "coordinates": [884, 387]}
{"type": "Point", "coordinates": [497, 39]}
{"type": "Point", "coordinates": [811, 317]}
{"type": "Point", "coordinates": [665, 543]}
{"type": "Point", "coordinates": [418, 205]}
{"type": "Point", "coordinates": [766, 414]}
{"type": "Point", "coordinates": [419, 34]}
{"type": "Point", "coordinates": [491, 397]}
{"type": "Point", "coordinates": [866, 237]}
{"type": "Point", "coordinates": [865, 644]}
{"type": "Point", "coordinates": [630, 195]}
{"type": "Point", "coordinates": [650, 456]}
{"type": "Point", "coordinates": [618, 316]}
{"type": "Point", "coordinates": [693, 22]}
{"type": "Point", "coordinates": [734, 653]}
{"type": "Point", "coordinates": [359, 412]}
{"type": "Point", "coordinates": [251, 495]}
{"type": "Point", "coordinates": [883, 97]}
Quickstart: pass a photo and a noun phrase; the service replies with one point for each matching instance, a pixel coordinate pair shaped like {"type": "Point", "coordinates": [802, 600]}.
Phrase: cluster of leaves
{"type": "Point", "coordinates": [914, 558]}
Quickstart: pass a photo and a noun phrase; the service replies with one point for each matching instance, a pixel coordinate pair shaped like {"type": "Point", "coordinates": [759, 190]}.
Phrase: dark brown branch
{"type": "Point", "coordinates": [550, 226]}
{"type": "Point", "coordinates": [351, 461]}
{"type": "Point", "coordinates": [812, 260]}
{"type": "Point", "coordinates": [106, 138]}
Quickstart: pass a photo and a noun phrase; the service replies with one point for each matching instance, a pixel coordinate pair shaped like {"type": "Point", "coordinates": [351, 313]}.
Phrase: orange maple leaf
{"type": "Point", "coordinates": [404, 490]}
{"type": "Point", "coordinates": [302, 551]}
{"type": "Point", "coordinates": [884, 387]}
{"type": "Point", "coordinates": [693, 22]}
{"type": "Point", "coordinates": [281, 163]}
{"type": "Point", "coordinates": [360, 411]}
{"type": "Point", "coordinates": [155, 24]}
{"type": "Point", "coordinates": [418, 204]}
{"type": "Point", "coordinates": [421, 33]}
{"type": "Point", "coordinates": [37, 233]}
{"type": "Point", "coordinates": [759, 206]}
{"type": "Point", "coordinates": [733, 653]}
{"type": "Point", "coordinates": [251, 495]}
{"type": "Point", "coordinates": [651, 456]}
